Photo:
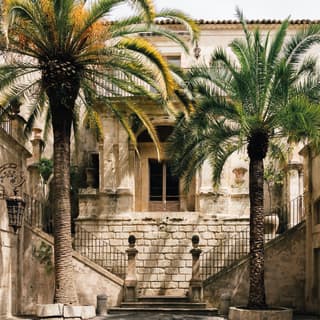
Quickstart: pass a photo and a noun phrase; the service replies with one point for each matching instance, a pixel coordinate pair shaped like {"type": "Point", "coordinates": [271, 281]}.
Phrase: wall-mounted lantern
{"type": "Point", "coordinates": [10, 181]}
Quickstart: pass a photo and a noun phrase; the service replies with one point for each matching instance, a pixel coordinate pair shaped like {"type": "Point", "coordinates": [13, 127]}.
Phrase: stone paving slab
{"type": "Point", "coordinates": [305, 317]}
{"type": "Point", "coordinates": [159, 316]}
{"type": "Point", "coordinates": [152, 316]}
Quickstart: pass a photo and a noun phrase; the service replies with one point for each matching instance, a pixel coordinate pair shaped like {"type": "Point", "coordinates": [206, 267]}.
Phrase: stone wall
{"type": "Point", "coordinates": [284, 274]}
{"type": "Point", "coordinates": [163, 243]}
{"type": "Point", "coordinates": [11, 151]}
{"type": "Point", "coordinates": [38, 276]}
{"type": "Point", "coordinates": [37, 271]}
{"type": "Point", "coordinates": [8, 269]}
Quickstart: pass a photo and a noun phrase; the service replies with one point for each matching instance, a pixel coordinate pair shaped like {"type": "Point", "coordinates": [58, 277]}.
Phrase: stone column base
{"type": "Point", "coordinates": [130, 290]}
{"type": "Point", "coordinates": [195, 291]}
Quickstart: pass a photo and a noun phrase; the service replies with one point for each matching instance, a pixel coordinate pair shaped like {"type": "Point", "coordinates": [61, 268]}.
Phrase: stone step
{"type": "Point", "coordinates": [163, 299]}
{"type": "Point", "coordinates": [187, 311]}
{"type": "Point", "coordinates": [165, 304]}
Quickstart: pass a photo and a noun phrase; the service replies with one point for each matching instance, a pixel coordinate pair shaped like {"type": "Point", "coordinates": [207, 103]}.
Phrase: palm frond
{"type": "Point", "coordinates": [180, 17]}
{"type": "Point", "coordinates": [146, 49]}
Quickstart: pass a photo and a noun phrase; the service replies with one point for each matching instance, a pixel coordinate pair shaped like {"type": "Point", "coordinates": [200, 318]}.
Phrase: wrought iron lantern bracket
{"type": "Point", "coordinates": [10, 181]}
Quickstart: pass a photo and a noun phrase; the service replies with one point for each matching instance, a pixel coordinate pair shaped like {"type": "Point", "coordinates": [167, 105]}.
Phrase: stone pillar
{"type": "Point", "coordinates": [131, 282]}
{"type": "Point", "coordinates": [124, 185]}
{"type": "Point", "coordinates": [294, 190]}
{"type": "Point", "coordinates": [17, 128]}
{"type": "Point", "coordinates": [108, 160]}
{"type": "Point", "coordinates": [36, 145]}
{"type": "Point", "coordinates": [195, 289]}
{"type": "Point", "coordinates": [35, 180]}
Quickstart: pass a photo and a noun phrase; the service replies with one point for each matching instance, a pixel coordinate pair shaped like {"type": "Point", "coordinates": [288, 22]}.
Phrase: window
{"type": "Point", "coordinates": [164, 187]}
{"type": "Point", "coordinates": [92, 171]}
{"type": "Point", "coordinates": [175, 60]}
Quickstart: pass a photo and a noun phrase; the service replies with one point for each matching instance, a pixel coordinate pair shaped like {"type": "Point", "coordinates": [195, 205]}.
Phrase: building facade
{"type": "Point", "coordinates": [124, 193]}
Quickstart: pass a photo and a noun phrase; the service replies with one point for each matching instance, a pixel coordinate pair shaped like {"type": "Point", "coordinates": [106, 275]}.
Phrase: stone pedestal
{"type": "Point", "coordinates": [195, 289]}
{"type": "Point", "coordinates": [131, 282]}
{"type": "Point", "coordinates": [102, 300]}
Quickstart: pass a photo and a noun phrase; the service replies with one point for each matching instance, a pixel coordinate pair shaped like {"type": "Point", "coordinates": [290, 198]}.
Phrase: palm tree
{"type": "Point", "coordinates": [61, 53]}
{"type": "Point", "coordinates": [265, 93]}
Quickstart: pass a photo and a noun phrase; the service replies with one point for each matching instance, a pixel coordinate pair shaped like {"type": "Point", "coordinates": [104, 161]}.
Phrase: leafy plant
{"type": "Point", "coordinates": [46, 168]}
{"type": "Point", "coordinates": [44, 255]}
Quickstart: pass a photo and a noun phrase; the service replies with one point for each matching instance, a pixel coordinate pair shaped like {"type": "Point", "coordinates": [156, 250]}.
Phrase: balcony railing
{"type": "Point", "coordinates": [111, 89]}
{"type": "Point", "coordinates": [6, 126]}
{"type": "Point", "coordinates": [36, 215]}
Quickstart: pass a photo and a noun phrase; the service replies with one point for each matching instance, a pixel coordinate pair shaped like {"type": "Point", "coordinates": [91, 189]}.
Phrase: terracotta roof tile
{"type": "Point", "coordinates": [262, 21]}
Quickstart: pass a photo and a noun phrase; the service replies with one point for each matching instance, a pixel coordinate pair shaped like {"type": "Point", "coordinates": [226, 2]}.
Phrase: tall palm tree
{"type": "Point", "coordinates": [267, 91]}
{"type": "Point", "coordinates": [62, 53]}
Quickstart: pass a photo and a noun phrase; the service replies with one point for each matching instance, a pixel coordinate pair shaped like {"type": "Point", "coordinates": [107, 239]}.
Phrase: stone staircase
{"type": "Point", "coordinates": [164, 304]}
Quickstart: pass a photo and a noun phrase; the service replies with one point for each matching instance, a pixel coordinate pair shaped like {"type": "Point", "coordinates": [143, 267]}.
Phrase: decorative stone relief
{"type": "Point", "coordinates": [239, 174]}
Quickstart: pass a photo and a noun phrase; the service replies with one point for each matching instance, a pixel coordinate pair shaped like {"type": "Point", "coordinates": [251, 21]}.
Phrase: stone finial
{"type": "Point", "coordinates": [132, 241]}
{"type": "Point", "coordinates": [131, 277]}
{"type": "Point", "coordinates": [195, 288]}
{"type": "Point", "coordinates": [195, 241]}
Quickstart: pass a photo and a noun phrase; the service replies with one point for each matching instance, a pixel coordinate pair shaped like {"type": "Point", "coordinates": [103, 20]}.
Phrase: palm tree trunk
{"type": "Point", "coordinates": [257, 299]}
{"type": "Point", "coordinates": [64, 284]}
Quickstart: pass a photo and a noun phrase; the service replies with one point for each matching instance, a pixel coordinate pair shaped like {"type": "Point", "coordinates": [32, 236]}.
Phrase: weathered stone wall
{"type": "Point", "coordinates": [38, 276]}
{"type": "Point", "coordinates": [11, 151]}
{"type": "Point", "coordinates": [37, 271]}
{"type": "Point", "coordinates": [284, 275]}
{"type": "Point", "coordinates": [311, 169]}
{"type": "Point", "coordinates": [8, 268]}
{"type": "Point", "coordinates": [163, 243]}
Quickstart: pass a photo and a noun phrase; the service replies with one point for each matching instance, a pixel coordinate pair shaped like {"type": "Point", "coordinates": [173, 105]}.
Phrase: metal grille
{"type": "Point", "coordinates": [6, 125]}
{"type": "Point", "coordinates": [225, 254]}
{"type": "Point", "coordinates": [33, 211]}
{"type": "Point", "coordinates": [35, 215]}
{"type": "Point", "coordinates": [100, 252]}
{"type": "Point", "coordinates": [232, 249]}
{"type": "Point", "coordinates": [113, 88]}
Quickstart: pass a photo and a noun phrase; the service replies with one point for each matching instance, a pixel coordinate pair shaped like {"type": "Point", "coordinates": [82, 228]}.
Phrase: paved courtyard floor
{"type": "Point", "coordinates": [152, 316]}
{"type": "Point", "coordinates": [160, 316]}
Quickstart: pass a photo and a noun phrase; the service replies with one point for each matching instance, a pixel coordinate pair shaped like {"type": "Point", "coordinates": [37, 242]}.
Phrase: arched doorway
{"type": "Point", "coordinates": [157, 189]}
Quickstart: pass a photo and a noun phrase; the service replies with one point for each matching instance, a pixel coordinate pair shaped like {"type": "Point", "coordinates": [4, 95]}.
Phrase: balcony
{"type": "Point", "coordinates": [6, 126]}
